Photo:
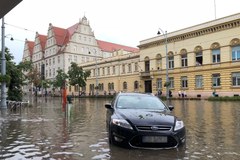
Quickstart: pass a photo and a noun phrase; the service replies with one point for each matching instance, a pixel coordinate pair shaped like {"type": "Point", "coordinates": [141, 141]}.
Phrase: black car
{"type": "Point", "coordinates": [139, 120]}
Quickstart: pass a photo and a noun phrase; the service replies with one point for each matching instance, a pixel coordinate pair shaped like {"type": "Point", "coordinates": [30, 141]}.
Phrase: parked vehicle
{"type": "Point", "coordinates": [138, 120]}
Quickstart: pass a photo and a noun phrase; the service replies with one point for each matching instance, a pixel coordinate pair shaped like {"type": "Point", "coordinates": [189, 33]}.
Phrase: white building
{"type": "Point", "coordinates": [62, 46]}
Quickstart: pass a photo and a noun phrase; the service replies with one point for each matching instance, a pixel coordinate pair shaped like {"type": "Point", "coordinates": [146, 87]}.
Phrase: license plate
{"type": "Point", "coordinates": [154, 139]}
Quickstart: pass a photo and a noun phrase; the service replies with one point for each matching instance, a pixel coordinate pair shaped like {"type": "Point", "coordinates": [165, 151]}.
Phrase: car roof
{"type": "Point", "coordinates": [135, 94]}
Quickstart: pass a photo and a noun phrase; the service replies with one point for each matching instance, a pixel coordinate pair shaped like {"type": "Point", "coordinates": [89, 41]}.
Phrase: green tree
{"type": "Point", "coordinates": [14, 78]}
{"type": "Point", "coordinates": [60, 79]}
{"type": "Point", "coordinates": [77, 76]}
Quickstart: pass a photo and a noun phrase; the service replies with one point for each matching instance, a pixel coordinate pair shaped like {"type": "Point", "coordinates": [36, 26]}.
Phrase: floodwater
{"type": "Point", "coordinates": [44, 131]}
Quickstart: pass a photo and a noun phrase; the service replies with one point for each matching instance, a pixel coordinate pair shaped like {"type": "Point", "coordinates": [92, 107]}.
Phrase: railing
{"type": "Point", "coordinates": [13, 105]}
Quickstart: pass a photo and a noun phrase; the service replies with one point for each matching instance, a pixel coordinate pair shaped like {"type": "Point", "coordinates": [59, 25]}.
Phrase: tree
{"type": "Point", "coordinates": [34, 77]}
{"type": "Point", "coordinates": [60, 79]}
{"type": "Point", "coordinates": [14, 78]}
{"type": "Point", "coordinates": [77, 76]}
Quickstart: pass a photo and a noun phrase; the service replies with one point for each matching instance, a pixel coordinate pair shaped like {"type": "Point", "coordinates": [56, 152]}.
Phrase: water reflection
{"type": "Point", "coordinates": [44, 131]}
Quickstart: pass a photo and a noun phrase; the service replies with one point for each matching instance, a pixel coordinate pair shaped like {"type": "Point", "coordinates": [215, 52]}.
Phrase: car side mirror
{"type": "Point", "coordinates": [108, 106]}
{"type": "Point", "coordinates": [171, 108]}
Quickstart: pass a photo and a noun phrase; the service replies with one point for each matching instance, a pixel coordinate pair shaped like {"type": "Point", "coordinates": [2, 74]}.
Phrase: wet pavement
{"type": "Point", "coordinates": [44, 131]}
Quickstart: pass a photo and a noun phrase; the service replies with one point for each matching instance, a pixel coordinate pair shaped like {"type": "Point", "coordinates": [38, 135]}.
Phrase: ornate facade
{"type": "Point", "coordinates": [202, 59]}
{"type": "Point", "coordinates": [60, 47]}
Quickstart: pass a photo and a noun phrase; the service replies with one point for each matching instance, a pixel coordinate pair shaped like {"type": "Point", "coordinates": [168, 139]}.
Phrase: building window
{"type": "Point", "coordinates": [171, 62]}
{"type": "Point", "coordinates": [74, 48]}
{"type": "Point", "coordinates": [58, 59]}
{"type": "Point", "coordinates": [123, 68]}
{"type": "Point", "coordinates": [199, 59]}
{"type": "Point", "coordinates": [184, 60]}
{"type": "Point", "coordinates": [136, 85]}
{"type": "Point", "coordinates": [136, 66]}
{"type": "Point", "coordinates": [75, 58]}
{"type": "Point", "coordinates": [98, 71]}
{"type": "Point", "coordinates": [129, 68]}
{"type": "Point", "coordinates": [184, 82]}
{"type": "Point", "coordinates": [83, 59]}
{"type": "Point", "coordinates": [159, 84]}
{"type": "Point", "coordinates": [236, 53]}
{"type": "Point", "coordinates": [236, 79]}
{"type": "Point", "coordinates": [108, 70]}
{"type": "Point", "coordinates": [216, 82]}
{"type": "Point", "coordinates": [101, 87]}
{"type": "Point", "coordinates": [53, 72]}
{"type": "Point", "coordinates": [198, 81]}
{"type": "Point", "coordinates": [125, 85]}
{"type": "Point", "coordinates": [94, 72]}
{"type": "Point", "coordinates": [114, 70]}
{"type": "Point", "coordinates": [147, 66]}
{"type": "Point", "coordinates": [216, 55]}
{"type": "Point", "coordinates": [171, 80]}
{"type": "Point", "coordinates": [110, 86]}
{"type": "Point", "coordinates": [103, 71]}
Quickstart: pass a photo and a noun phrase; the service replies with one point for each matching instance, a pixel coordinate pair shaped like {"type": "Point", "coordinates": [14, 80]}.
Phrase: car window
{"type": "Point", "coordinates": [139, 102]}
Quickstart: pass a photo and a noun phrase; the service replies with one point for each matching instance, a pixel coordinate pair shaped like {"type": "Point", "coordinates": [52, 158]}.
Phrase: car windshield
{"type": "Point", "coordinates": [139, 102]}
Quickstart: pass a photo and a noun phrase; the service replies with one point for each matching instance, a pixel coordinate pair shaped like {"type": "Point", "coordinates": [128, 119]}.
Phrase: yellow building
{"type": "Point", "coordinates": [113, 74]}
{"type": "Point", "coordinates": [202, 59]}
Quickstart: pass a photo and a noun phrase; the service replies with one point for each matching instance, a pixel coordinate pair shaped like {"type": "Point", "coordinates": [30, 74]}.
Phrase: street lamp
{"type": "Point", "coordinates": [3, 69]}
{"type": "Point", "coordinates": [167, 79]}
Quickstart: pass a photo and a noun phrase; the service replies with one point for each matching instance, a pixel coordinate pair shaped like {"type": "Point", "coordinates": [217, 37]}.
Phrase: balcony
{"type": "Point", "coordinates": [146, 75]}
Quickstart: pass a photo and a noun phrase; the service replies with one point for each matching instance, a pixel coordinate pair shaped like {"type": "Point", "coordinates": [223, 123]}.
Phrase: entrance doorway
{"type": "Point", "coordinates": [148, 86]}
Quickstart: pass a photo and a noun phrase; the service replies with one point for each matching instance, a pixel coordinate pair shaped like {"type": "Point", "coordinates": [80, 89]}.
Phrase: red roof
{"type": "Point", "coordinates": [61, 35]}
{"type": "Point", "coordinates": [30, 45]}
{"type": "Point", "coordinates": [111, 47]}
{"type": "Point", "coordinates": [42, 39]}
{"type": "Point", "coordinates": [72, 29]}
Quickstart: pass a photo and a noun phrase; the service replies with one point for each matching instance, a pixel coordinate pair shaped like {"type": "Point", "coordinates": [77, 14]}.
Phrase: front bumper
{"type": "Point", "coordinates": [134, 138]}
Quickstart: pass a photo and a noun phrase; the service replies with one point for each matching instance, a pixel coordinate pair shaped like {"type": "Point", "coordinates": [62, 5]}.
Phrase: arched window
{"type": "Point", "coordinates": [235, 44]}
{"type": "Point", "coordinates": [215, 47]}
{"type": "Point", "coordinates": [124, 85]}
{"type": "Point", "coordinates": [136, 85]}
{"type": "Point", "coordinates": [198, 55]}
{"type": "Point", "coordinates": [184, 60]}
{"type": "Point", "coordinates": [112, 86]}
{"type": "Point", "coordinates": [147, 64]}
{"type": "Point", "coordinates": [170, 60]}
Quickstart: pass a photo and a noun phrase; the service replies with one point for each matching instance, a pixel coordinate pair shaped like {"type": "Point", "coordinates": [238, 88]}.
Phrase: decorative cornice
{"type": "Point", "coordinates": [195, 31]}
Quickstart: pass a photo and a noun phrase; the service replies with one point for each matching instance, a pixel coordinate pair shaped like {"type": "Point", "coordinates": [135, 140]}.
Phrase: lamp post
{"type": "Point", "coordinates": [166, 49]}
{"type": "Point", "coordinates": [3, 69]}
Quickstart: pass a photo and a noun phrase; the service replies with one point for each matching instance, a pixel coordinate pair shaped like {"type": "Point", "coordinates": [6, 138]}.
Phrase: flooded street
{"type": "Point", "coordinates": [44, 131]}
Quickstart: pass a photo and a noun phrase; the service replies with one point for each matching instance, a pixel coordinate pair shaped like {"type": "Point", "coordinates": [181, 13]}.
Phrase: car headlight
{"type": "Point", "coordinates": [122, 123]}
{"type": "Point", "coordinates": [178, 125]}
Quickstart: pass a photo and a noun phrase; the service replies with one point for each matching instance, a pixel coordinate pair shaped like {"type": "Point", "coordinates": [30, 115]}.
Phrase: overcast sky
{"type": "Point", "coordinates": [125, 22]}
